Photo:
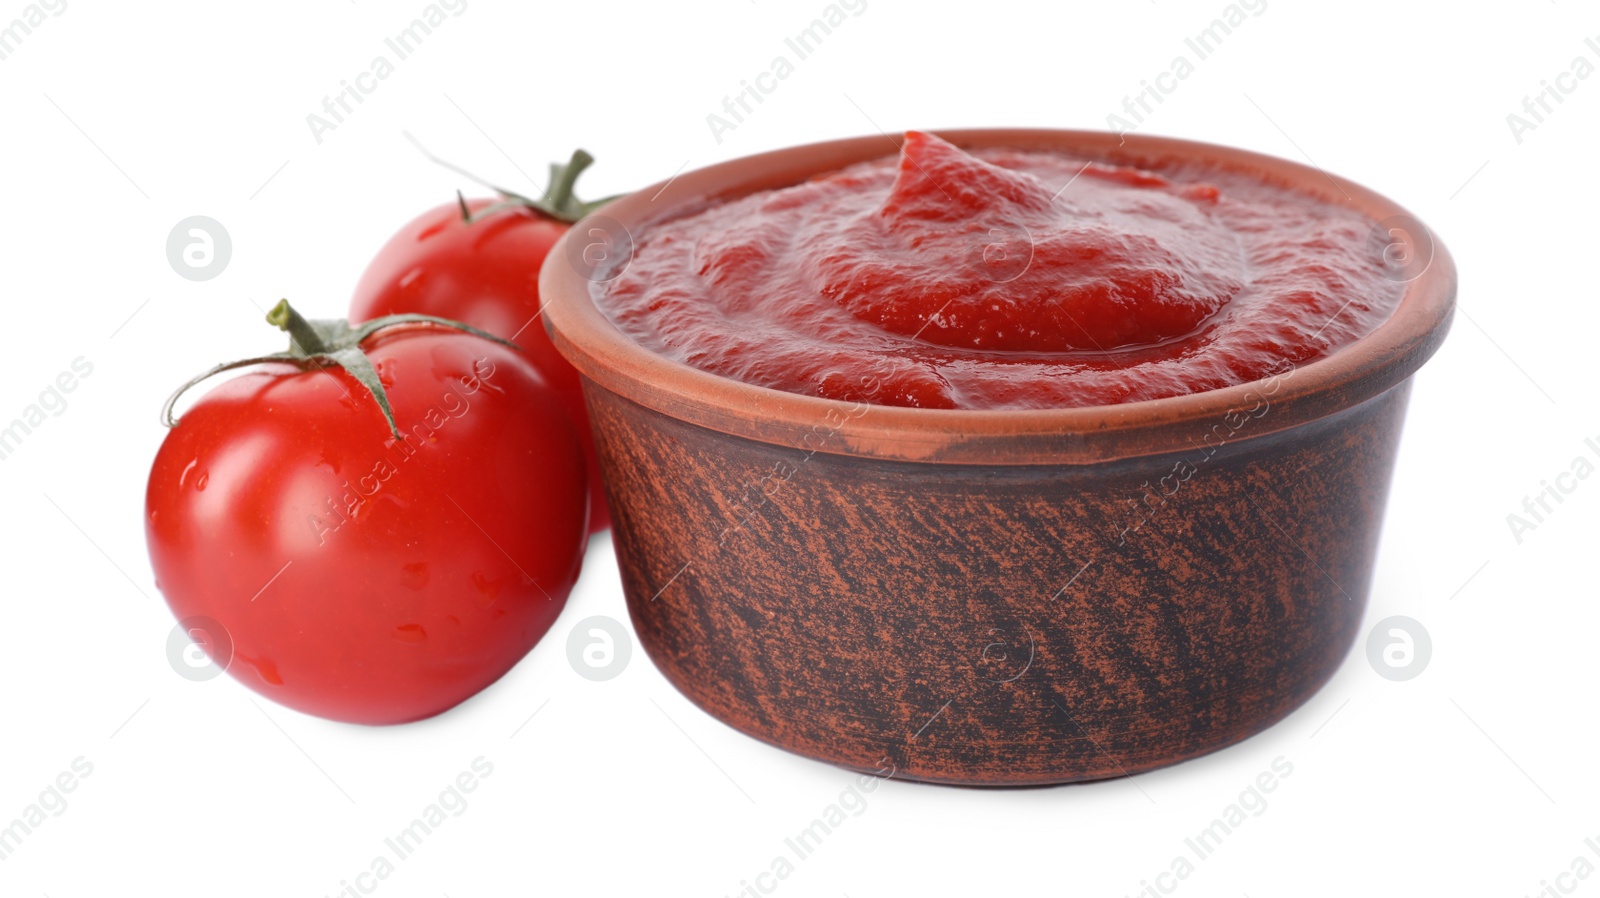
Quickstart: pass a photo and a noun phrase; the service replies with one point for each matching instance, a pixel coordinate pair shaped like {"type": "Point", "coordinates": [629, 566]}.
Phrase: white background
{"type": "Point", "coordinates": [1477, 777]}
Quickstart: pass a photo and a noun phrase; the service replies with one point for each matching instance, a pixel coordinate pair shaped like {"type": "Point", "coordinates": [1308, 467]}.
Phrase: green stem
{"type": "Point", "coordinates": [285, 318]}
{"type": "Point", "coordinates": [563, 178]}
{"type": "Point", "coordinates": [558, 202]}
{"type": "Point", "coordinates": [317, 344]}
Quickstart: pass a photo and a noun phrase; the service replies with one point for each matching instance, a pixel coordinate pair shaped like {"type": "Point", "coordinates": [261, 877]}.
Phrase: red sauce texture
{"type": "Point", "coordinates": [1004, 279]}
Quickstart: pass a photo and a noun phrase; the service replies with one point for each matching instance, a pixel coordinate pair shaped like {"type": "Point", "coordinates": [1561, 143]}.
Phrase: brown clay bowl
{"type": "Point", "coordinates": [993, 597]}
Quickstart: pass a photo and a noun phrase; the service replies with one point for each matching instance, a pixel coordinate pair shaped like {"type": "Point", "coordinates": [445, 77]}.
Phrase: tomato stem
{"type": "Point", "coordinates": [334, 342]}
{"type": "Point", "coordinates": [562, 178]}
{"type": "Point", "coordinates": [559, 202]}
{"type": "Point", "coordinates": [306, 339]}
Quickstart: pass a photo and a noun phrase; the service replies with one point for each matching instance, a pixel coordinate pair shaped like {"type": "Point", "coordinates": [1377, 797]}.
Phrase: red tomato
{"type": "Point", "coordinates": [358, 577]}
{"type": "Point", "coordinates": [486, 274]}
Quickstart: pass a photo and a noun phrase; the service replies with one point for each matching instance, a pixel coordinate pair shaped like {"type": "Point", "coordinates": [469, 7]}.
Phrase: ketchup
{"type": "Point", "coordinates": [1003, 279]}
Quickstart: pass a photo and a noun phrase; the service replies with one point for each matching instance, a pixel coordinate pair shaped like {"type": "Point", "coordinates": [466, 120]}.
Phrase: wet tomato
{"type": "Point", "coordinates": [362, 568]}
{"type": "Point", "coordinates": [477, 261]}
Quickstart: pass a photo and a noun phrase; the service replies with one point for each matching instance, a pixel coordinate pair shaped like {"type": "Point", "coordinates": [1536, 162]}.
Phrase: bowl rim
{"type": "Point", "coordinates": [613, 361]}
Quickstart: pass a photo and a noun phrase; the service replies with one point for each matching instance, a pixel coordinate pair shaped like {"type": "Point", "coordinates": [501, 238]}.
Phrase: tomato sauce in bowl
{"type": "Point", "coordinates": [1003, 279]}
{"type": "Point", "coordinates": [1129, 403]}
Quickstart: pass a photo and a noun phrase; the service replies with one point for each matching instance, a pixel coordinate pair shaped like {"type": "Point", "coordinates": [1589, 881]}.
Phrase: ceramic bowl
{"type": "Point", "coordinates": [994, 597]}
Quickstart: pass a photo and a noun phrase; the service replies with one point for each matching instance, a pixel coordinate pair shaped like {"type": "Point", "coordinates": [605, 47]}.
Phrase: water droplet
{"type": "Point", "coordinates": [488, 590]}
{"type": "Point", "coordinates": [414, 575]}
{"type": "Point", "coordinates": [323, 458]}
{"type": "Point", "coordinates": [266, 669]}
{"type": "Point", "coordinates": [200, 483]}
{"type": "Point", "coordinates": [410, 633]}
{"type": "Point", "coordinates": [183, 478]}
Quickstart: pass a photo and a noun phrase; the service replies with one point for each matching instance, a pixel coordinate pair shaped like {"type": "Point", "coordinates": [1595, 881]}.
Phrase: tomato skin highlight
{"type": "Point", "coordinates": [359, 578]}
{"type": "Point", "coordinates": [485, 274]}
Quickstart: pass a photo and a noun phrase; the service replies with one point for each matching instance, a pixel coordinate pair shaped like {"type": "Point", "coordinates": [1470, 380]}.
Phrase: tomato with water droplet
{"type": "Point", "coordinates": [353, 570]}
{"type": "Point", "coordinates": [477, 261]}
